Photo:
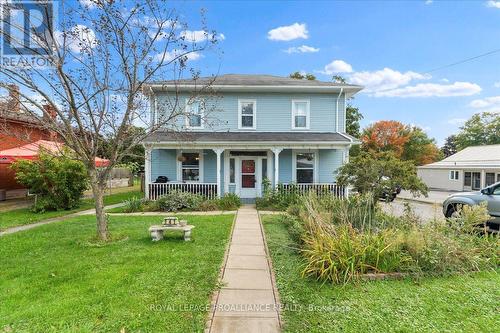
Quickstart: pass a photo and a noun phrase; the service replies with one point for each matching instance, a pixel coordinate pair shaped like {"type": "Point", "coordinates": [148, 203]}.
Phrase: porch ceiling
{"type": "Point", "coordinates": [249, 138]}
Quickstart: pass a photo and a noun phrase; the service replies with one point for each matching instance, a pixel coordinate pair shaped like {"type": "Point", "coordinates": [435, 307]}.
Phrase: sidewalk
{"type": "Point", "coordinates": [52, 220]}
{"type": "Point", "coordinates": [248, 300]}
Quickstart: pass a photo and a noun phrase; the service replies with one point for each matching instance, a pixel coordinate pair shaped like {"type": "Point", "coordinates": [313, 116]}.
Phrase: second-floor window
{"type": "Point", "coordinates": [194, 114]}
{"type": "Point", "coordinates": [246, 114]}
{"type": "Point", "coordinates": [300, 114]}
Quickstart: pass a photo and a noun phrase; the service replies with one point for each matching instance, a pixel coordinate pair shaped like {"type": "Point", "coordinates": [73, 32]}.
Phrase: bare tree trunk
{"type": "Point", "coordinates": [98, 191]}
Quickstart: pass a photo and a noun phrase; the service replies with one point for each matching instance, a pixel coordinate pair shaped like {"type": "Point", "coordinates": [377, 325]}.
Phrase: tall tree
{"type": "Point", "coordinates": [410, 143]}
{"type": "Point", "coordinates": [481, 129]}
{"type": "Point", "coordinates": [100, 57]}
{"type": "Point", "coordinates": [420, 148]}
{"type": "Point", "coordinates": [338, 79]}
{"type": "Point", "coordinates": [385, 135]}
{"type": "Point", "coordinates": [450, 146]}
{"type": "Point", "coordinates": [301, 76]}
{"type": "Point", "coordinates": [353, 117]}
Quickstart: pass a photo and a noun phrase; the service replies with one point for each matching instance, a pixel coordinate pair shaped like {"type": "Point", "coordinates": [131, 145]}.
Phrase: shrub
{"type": "Point", "coordinates": [178, 200]}
{"type": "Point", "coordinates": [229, 201]}
{"type": "Point", "coordinates": [280, 198]}
{"type": "Point", "coordinates": [133, 204]}
{"type": "Point", "coordinates": [58, 181]}
{"type": "Point", "coordinates": [209, 205]}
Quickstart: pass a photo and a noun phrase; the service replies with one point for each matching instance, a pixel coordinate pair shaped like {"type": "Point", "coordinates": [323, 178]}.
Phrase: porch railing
{"type": "Point", "coordinates": [320, 189]}
{"type": "Point", "coordinates": [207, 190]}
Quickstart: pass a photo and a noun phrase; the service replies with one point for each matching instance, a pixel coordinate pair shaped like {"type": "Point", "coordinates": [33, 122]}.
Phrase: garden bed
{"type": "Point", "coordinates": [56, 278]}
{"type": "Point", "coordinates": [466, 302]}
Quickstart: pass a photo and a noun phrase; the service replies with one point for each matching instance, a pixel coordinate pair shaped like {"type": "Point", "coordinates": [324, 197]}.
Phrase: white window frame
{"type": "Point", "coordinates": [187, 110]}
{"type": "Point", "coordinates": [254, 123]}
{"type": "Point", "coordinates": [315, 164]}
{"type": "Point", "coordinates": [452, 174]}
{"type": "Point", "coordinates": [179, 165]}
{"type": "Point", "coordinates": [308, 113]}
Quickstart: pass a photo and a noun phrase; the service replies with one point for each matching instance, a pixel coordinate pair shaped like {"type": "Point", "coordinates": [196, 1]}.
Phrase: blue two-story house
{"type": "Point", "coordinates": [233, 133]}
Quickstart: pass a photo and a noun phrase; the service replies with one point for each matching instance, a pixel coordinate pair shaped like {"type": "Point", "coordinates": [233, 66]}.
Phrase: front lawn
{"type": "Point", "coordinates": [26, 216]}
{"type": "Point", "coordinates": [56, 279]}
{"type": "Point", "coordinates": [461, 303]}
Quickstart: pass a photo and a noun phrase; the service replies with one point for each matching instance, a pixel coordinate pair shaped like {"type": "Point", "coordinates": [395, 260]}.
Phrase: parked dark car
{"type": "Point", "coordinates": [389, 194]}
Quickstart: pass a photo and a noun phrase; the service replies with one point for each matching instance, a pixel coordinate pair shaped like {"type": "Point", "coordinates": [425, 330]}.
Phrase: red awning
{"type": "Point", "coordinates": [30, 151]}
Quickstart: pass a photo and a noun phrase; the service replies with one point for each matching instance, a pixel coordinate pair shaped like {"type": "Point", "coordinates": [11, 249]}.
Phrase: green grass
{"type": "Point", "coordinates": [55, 279]}
{"type": "Point", "coordinates": [465, 303]}
{"type": "Point", "coordinates": [26, 216]}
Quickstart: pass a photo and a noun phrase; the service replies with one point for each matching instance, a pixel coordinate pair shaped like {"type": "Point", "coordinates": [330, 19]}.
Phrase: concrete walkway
{"type": "Point", "coordinates": [54, 219]}
{"type": "Point", "coordinates": [248, 300]}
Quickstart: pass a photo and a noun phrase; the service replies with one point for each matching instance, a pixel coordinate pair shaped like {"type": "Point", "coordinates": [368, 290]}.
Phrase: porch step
{"type": "Point", "coordinates": [247, 201]}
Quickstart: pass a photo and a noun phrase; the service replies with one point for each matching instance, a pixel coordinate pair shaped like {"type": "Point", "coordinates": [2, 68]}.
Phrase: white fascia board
{"type": "Point", "coordinates": [252, 145]}
{"type": "Point", "coordinates": [238, 88]}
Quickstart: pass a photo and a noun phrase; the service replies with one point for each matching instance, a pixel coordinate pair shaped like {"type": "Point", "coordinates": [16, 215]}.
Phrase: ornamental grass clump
{"type": "Point", "coordinates": [338, 250]}
{"type": "Point", "coordinates": [343, 239]}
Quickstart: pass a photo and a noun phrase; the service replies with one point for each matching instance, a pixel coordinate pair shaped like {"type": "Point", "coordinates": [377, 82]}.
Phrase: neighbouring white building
{"type": "Point", "coordinates": [470, 169]}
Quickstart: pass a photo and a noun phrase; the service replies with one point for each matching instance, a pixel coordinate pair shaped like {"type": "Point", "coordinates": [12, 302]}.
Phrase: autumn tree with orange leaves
{"type": "Point", "coordinates": [410, 143]}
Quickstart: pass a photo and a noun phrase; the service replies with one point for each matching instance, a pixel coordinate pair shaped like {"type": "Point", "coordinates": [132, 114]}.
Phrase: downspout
{"type": "Point", "coordinates": [337, 111]}
{"type": "Point", "coordinates": [152, 101]}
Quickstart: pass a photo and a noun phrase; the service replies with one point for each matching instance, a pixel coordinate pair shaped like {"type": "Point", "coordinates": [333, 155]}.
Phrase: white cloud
{"type": "Point", "coordinates": [171, 55]}
{"type": "Point", "coordinates": [89, 4]}
{"type": "Point", "coordinates": [78, 39]}
{"type": "Point", "coordinates": [301, 49]}
{"type": "Point", "coordinates": [336, 66]}
{"type": "Point", "coordinates": [493, 4]}
{"type": "Point", "coordinates": [496, 84]}
{"type": "Point", "coordinates": [384, 79]}
{"type": "Point", "coordinates": [493, 101]}
{"type": "Point", "coordinates": [289, 32]}
{"type": "Point", "coordinates": [432, 90]}
{"type": "Point", "coordinates": [198, 36]}
{"type": "Point", "coordinates": [428, 2]}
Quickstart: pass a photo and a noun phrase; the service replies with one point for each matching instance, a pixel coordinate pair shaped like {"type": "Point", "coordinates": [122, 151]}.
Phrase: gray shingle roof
{"type": "Point", "coordinates": [254, 80]}
{"type": "Point", "coordinates": [259, 137]}
{"type": "Point", "coordinates": [474, 156]}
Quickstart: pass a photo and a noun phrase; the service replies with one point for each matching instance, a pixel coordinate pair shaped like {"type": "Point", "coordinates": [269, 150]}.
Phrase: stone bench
{"type": "Point", "coordinates": [157, 231]}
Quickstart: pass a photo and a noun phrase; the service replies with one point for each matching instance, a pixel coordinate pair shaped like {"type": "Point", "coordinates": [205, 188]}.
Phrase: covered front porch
{"type": "Point", "coordinates": [244, 171]}
{"type": "Point", "coordinates": [244, 163]}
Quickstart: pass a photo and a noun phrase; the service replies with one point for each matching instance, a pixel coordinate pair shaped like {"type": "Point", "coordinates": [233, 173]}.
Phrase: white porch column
{"type": "Point", "coordinates": [218, 152]}
{"type": "Point", "coordinates": [276, 152]}
{"type": "Point", "coordinates": [483, 179]}
{"type": "Point", "coordinates": [147, 171]}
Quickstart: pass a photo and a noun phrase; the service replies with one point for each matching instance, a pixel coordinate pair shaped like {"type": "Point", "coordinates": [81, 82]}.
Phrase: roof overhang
{"type": "Point", "coordinates": [333, 89]}
{"type": "Point", "coordinates": [247, 145]}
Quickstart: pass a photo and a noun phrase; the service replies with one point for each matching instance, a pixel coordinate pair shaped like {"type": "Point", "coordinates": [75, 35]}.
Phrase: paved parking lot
{"type": "Point", "coordinates": [426, 211]}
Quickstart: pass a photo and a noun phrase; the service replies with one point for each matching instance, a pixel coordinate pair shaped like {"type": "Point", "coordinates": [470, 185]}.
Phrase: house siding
{"type": "Point", "coordinates": [209, 166]}
{"type": "Point", "coordinates": [285, 166]}
{"type": "Point", "coordinates": [329, 161]}
{"type": "Point", "coordinates": [273, 111]}
{"type": "Point", "coordinates": [164, 163]}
